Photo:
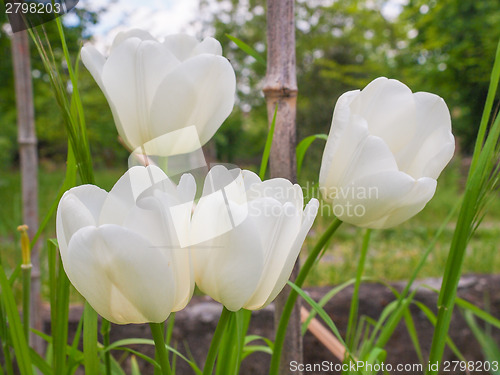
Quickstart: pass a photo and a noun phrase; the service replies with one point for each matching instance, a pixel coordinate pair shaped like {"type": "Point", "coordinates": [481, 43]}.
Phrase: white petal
{"type": "Point", "coordinates": [122, 198]}
{"type": "Point", "coordinates": [131, 76]}
{"type": "Point", "coordinates": [94, 62]}
{"type": "Point", "coordinates": [180, 45]}
{"type": "Point", "coordinates": [228, 268]}
{"type": "Point", "coordinates": [339, 144]}
{"type": "Point", "coordinates": [250, 178]}
{"type": "Point", "coordinates": [374, 197]}
{"type": "Point", "coordinates": [310, 213]}
{"type": "Point", "coordinates": [277, 226]}
{"type": "Point", "coordinates": [389, 109]}
{"type": "Point", "coordinates": [358, 154]}
{"type": "Point", "coordinates": [198, 92]}
{"type": "Point", "coordinates": [412, 204]}
{"type": "Point", "coordinates": [78, 207]}
{"type": "Point", "coordinates": [121, 275]}
{"type": "Point", "coordinates": [371, 197]}
{"type": "Point", "coordinates": [134, 33]}
{"type": "Point", "coordinates": [208, 45]}
{"type": "Point", "coordinates": [433, 145]}
{"type": "Point", "coordinates": [184, 278]}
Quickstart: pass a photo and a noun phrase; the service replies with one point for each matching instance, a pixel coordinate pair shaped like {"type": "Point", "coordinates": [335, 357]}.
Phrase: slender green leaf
{"type": "Point", "coordinates": [303, 146]}
{"type": "Point", "coordinates": [40, 363]}
{"type": "Point", "coordinates": [247, 49]}
{"type": "Point", "coordinates": [16, 329]}
{"type": "Point", "coordinates": [488, 344]}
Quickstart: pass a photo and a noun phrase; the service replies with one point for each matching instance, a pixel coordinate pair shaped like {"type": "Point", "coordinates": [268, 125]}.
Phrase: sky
{"type": "Point", "coordinates": [159, 17]}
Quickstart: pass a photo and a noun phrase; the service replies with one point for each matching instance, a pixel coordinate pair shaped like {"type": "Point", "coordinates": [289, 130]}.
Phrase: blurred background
{"type": "Point", "coordinates": [446, 47]}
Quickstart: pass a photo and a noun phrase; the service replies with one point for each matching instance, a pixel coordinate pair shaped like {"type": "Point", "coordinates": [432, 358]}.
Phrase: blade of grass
{"type": "Point", "coordinates": [247, 49]}
{"type": "Point", "coordinates": [303, 146]}
{"type": "Point", "coordinates": [16, 329]}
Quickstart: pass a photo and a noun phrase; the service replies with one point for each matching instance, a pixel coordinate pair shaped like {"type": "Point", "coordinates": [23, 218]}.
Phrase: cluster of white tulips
{"type": "Point", "coordinates": [136, 252]}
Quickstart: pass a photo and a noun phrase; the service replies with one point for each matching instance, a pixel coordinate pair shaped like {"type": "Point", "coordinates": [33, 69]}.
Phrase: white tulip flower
{"type": "Point", "coordinates": [247, 235]}
{"type": "Point", "coordinates": [121, 249]}
{"type": "Point", "coordinates": [386, 148]}
{"type": "Point", "coordinates": [158, 89]}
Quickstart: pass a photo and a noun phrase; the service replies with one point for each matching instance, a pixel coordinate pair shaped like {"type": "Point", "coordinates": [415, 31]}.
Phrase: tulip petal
{"type": "Point", "coordinates": [280, 189]}
{"type": "Point", "coordinates": [389, 108]}
{"type": "Point", "coordinates": [78, 207]}
{"type": "Point", "coordinates": [94, 61]}
{"type": "Point", "coordinates": [131, 76]}
{"type": "Point", "coordinates": [433, 146]}
{"type": "Point", "coordinates": [358, 154]}
{"type": "Point", "coordinates": [338, 145]}
{"type": "Point", "coordinates": [133, 33]}
{"type": "Point", "coordinates": [180, 45]}
{"type": "Point", "coordinates": [374, 197]}
{"type": "Point", "coordinates": [228, 267]}
{"type": "Point", "coordinates": [198, 92]}
{"type": "Point", "coordinates": [413, 203]}
{"type": "Point", "coordinates": [309, 215]}
{"type": "Point", "coordinates": [209, 45]}
{"type": "Point", "coordinates": [123, 196]}
{"type": "Point", "coordinates": [277, 226]}
{"type": "Point", "coordinates": [120, 274]}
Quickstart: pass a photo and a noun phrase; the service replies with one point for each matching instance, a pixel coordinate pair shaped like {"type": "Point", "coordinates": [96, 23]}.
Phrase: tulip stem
{"type": "Point", "coordinates": [353, 311]}
{"type": "Point", "coordinates": [161, 349]}
{"type": "Point", "coordinates": [214, 345]}
{"type": "Point", "coordinates": [292, 297]}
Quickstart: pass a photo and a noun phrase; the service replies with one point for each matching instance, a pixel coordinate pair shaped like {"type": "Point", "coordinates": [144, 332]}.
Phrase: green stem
{"type": "Point", "coordinates": [214, 345]}
{"type": "Point", "coordinates": [353, 311]}
{"type": "Point", "coordinates": [292, 297]}
{"type": "Point", "coordinates": [105, 332]}
{"type": "Point", "coordinates": [161, 349]}
{"type": "Point", "coordinates": [26, 269]}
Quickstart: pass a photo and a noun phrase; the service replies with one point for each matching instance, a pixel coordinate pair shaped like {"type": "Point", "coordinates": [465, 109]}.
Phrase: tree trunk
{"type": "Point", "coordinates": [280, 88]}
{"type": "Point", "coordinates": [26, 137]}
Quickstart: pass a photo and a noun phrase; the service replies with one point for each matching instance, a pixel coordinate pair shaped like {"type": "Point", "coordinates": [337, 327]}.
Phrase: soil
{"type": "Point", "coordinates": [194, 326]}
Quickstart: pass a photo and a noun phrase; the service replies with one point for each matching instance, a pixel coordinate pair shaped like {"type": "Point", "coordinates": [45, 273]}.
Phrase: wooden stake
{"type": "Point", "coordinates": [27, 140]}
{"type": "Point", "coordinates": [280, 88]}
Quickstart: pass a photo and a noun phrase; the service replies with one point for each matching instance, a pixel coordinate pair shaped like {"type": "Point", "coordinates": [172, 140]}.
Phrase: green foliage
{"type": "Point", "coordinates": [449, 50]}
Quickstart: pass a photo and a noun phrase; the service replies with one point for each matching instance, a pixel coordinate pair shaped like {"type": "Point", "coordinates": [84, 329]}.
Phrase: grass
{"type": "Point", "coordinates": [392, 255]}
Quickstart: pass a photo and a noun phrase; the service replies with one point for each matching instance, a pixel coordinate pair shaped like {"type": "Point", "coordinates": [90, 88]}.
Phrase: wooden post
{"type": "Point", "coordinates": [280, 88]}
{"type": "Point", "coordinates": [27, 140]}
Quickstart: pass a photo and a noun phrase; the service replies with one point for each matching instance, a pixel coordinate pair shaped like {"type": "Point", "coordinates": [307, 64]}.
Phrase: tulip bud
{"type": "Point", "coordinates": [121, 249]}
{"type": "Point", "coordinates": [245, 256]}
{"type": "Point", "coordinates": [158, 89]}
{"type": "Point", "coordinates": [385, 151]}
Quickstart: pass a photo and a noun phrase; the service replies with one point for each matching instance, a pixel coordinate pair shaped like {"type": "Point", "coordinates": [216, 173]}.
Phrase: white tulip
{"type": "Point", "coordinates": [247, 235]}
{"type": "Point", "coordinates": [157, 88]}
{"type": "Point", "coordinates": [121, 249]}
{"type": "Point", "coordinates": [386, 148]}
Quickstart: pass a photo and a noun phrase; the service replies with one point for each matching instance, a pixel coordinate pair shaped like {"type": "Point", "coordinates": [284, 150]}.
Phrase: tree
{"type": "Point", "coordinates": [450, 48]}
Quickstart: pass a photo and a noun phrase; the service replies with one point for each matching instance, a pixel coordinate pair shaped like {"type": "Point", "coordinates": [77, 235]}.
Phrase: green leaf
{"type": "Point", "coordinates": [489, 346]}
{"type": "Point", "coordinates": [16, 329]}
{"type": "Point", "coordinates": [303, 146]}
{"type": "Point", "coordinates": [247, 49]}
